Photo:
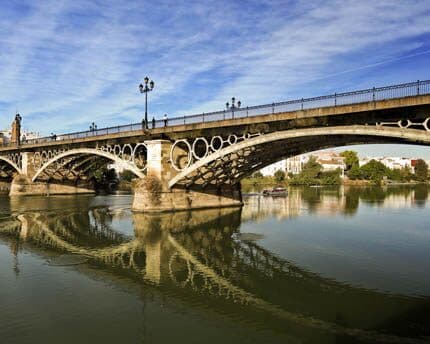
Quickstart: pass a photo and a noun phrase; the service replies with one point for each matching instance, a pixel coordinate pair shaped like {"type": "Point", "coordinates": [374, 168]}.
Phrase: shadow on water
{"type": "Point", "coordinates": [199, 258]}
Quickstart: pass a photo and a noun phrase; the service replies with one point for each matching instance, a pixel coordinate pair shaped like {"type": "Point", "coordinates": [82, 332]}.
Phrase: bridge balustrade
{"type": "Point", "coordinates": [337, 99]}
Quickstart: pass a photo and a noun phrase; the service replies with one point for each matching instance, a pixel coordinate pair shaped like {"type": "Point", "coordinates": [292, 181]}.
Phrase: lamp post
{"type": "Point", "coordinates": [148, 87]}
{"type": "Point", "coordinates": [233, 105]}
{"type": "Point", "coordinates": [93, 127]}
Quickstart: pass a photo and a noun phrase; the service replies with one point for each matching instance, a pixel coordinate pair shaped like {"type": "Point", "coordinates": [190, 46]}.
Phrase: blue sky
{"type": "Point", "coordinates": [66, 63]}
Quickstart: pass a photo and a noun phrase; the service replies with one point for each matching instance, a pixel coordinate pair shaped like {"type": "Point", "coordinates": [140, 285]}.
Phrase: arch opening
{"type": "Point", "coordinates": [78, 164]}
{"type": "Point", "coordinates": [233, 163]}
{"type": "Point", "coordinates": [8, 169]}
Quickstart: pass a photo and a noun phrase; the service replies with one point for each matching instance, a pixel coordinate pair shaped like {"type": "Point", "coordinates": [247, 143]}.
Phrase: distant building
{"type": "Point", "coordinates": [271, 169]}
{"type": "Point", "coordinates": [390, 162]}
{"type": "Point", "coordinates": [295, 164]}
{"type": "Point", "coordinates": [330, 161]}
{"type": "Point", "coordinates": [6, 135]}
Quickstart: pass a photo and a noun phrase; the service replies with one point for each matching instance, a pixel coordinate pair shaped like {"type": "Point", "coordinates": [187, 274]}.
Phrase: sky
{"type": "Point", "coordinates": [67, 63]}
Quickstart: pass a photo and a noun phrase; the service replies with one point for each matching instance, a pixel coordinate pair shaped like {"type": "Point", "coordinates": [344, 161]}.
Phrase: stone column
{"type": "Point", "coordinates": [152, 194]}
{"type": "Point", "coordinates": [27, 164]}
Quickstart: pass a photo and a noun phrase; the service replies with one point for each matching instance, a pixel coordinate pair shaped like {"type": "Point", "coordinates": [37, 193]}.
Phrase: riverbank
{"type": "Point", "coordinates": [269, 182]}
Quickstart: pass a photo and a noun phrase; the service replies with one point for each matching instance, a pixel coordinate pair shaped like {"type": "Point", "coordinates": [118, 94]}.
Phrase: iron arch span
{"type": "Point", "coordinates": [8, 166]}
{"type": "Point", "coordinates": [69, 159]}
{"type": "Point", "coordinates": [231, 164]}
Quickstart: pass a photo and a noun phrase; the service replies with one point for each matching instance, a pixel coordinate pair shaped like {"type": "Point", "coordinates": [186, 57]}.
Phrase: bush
{"type": "Point", "coordinates": [152, 185]}
{"type": "Point", "coordinates": [421, 170]}
{"type": "Point", "coordinates": [127, 176]}
{"type": "Point", "coordinates": [279, 176]}
{"type": "Point", "coordinates": [257, 175]}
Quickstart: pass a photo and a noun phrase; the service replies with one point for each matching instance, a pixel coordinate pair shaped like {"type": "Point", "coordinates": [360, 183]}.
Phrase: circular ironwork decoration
{"type": "Point", "coordinates": [37, 160]}
{"type": "Point", "coordinates": [117, 150]}
{"type": "Point", "coordinates": [232, 139]}
{"type": "Point", "coordinates": [404, 123]}
{"type": "Point", "coordinates": [426, 124]}
{"type": "Point", "coordinates": [216, 143]}
{"type": "Point", "coordinates": [200, 145]}
{"type": "Point", "coordinates": [139, 156]}
{"type": "Point", "coordinates": [181, 155]}
{"type": "Point", "coordinates": [127, 152]}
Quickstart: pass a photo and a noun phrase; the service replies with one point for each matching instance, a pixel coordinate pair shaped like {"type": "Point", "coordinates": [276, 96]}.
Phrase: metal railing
{"type": "Point", "coordinates": [337, 99]}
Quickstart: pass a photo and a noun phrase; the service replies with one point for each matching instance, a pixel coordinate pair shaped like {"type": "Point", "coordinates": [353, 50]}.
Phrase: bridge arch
{"type": "Point", "coordinates": [127, 164]}
{"type": "Point", "coordinates": [214, 165]}
{"type": "Point", "coordinates": [10, 163]}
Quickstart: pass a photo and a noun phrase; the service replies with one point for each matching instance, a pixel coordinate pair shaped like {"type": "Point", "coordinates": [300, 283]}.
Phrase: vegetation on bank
{"type": "Point", "coordinates": [374, 172]}
{"type": "Point", "coordinates": [377, 173]}
{"type": "Point", "coordinates": [312, 174]}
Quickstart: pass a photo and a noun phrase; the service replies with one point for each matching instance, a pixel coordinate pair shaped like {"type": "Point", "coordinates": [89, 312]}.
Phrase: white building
{"type": "Point", "coordinates": [271, 169]}
{"type": "Point", "coordinates": [330, 161]}
{"type": "Point", "coordinates": [390, 162]}
{"type": "Point", "coordinates": [25, 135]}
{"type": "Point", "coordinates": [295, 164]}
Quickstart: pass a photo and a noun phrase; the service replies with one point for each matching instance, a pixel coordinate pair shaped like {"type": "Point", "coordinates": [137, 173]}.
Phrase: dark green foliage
{"type": "Point", "coordinates": [257, 175]}
{"type": "Point", "coordinates": [105, 179]}
{"type": "Point", "coordinates": [279, 176]}
{"type": "Point", "coordinates": [351, 159]}
{"type": "Point", "coordinates": [127, 176]}
{"type": "Point", "coordinates": [421, 170]}
{"type": "Point", "coordinates": [312, 174]}
{"type": "Point", "coordinates": [374, 171]}
{"type": "Point", "coordinates": [354, 172]}
{"type": "Point", "coordinates": [311, 169]}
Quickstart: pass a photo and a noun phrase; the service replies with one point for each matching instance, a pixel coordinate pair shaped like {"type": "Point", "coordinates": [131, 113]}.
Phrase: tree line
{"type": "Point", "coordinates": [374, 171]}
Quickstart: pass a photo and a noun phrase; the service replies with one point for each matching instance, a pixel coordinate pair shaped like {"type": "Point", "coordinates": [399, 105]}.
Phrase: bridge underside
{"type": "Point", "coordinates": [230, 165]}
{"type": "Point", "coordinates": [7, 172]}
{"type": "Point", "coordinates": [232, 168]}
{"type": "Point", "coordinates": [73, 168]}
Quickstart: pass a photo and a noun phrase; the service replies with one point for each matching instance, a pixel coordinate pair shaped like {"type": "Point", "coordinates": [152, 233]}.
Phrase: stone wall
{"type": "Point", "coordinates": [23, 186]}
{"type": "Point", "coordinates": [179, 199]}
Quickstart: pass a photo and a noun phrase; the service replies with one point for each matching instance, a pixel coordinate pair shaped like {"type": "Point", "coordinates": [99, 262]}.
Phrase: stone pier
{"type": "Point", "coordinates": [153, 194]}
{"type": "Point", "coordinates": [23, 186]}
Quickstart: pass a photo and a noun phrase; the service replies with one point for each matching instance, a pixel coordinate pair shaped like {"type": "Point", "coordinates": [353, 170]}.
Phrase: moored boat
{"type": "Point", "coordinates": [278, 191]}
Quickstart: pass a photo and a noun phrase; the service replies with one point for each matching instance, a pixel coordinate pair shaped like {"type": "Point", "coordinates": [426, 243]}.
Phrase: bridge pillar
{"type": "Point", "coordinates": [153, 194]}
{"type": "Point", "coordinates": [27, 164]}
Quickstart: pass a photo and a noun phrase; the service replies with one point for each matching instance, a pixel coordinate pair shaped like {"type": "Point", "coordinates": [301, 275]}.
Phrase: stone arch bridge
{"type": "Point", "coordinates": [198, 161]}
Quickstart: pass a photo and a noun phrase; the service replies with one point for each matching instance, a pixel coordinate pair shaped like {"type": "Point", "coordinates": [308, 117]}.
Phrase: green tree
{"type": "Point", "coordinates": [351, 159]}
{"type": "Point", "coordinates": [354, 172]}
{"type": "Point", "coordinates": [127, 176]}
{"type": "Point", "coordinates": [331, 177]}
{"type": "Point", "coordinates": [311, 169]}
{"type": "Point", "coordinates": [406, 174]}
{"type": "Point", "coordinates": [257, 175]}
{"type": "Point", "coordinates": [421, 170]}
{"type": "Point", "coordinates": [374, 171]}
{"type": "Point", "coordinates": [279, 176]}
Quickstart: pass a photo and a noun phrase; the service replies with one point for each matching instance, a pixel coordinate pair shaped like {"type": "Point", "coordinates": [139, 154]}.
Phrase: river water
{"type": "Point", "coordinates": [322, 265]}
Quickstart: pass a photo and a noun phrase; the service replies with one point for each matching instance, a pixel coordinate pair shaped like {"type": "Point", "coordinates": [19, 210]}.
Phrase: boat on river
{"type": "Point", "coordinates": [276, 192]}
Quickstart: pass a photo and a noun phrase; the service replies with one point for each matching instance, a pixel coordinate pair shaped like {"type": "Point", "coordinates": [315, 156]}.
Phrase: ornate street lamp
{"type": "Point", "coordinates": [148, 87]}
{"type": "Point", "coordinates": [93, 127]}
{"type": "Point", "coordinates": [233, 105]}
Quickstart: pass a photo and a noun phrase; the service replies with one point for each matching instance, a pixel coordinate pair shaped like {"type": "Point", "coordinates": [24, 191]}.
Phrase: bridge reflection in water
{"type": "Point", "coordinates": [201, 255]}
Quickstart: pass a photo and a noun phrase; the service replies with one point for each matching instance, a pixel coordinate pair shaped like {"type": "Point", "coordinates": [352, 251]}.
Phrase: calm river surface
{"type": "Point", "coordinates": [323, 265]}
